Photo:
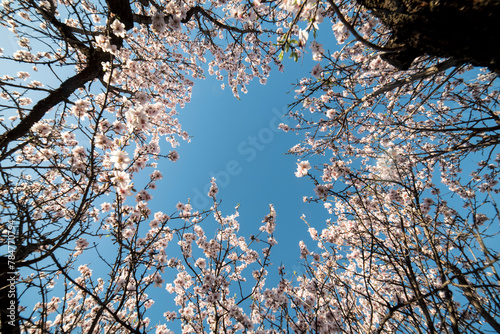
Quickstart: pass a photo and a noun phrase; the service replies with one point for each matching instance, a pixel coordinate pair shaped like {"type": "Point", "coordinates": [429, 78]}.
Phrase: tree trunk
{"type": "Point", "coordinates": [465, 30]}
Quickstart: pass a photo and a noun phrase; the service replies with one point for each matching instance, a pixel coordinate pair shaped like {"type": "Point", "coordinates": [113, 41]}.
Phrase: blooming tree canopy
{"type": "Point", "coordinates": [119, 76]}
{"type": "Point", "coordinates": [406, 132]}
{"type": "Point", "coordinates": [91, 103]}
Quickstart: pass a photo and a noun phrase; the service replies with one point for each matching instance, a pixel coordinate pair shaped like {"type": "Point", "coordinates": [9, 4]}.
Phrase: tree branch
{"type": "Point", "coordinates": [143, 19]}
{"type": "Point", "coordinates": [91, 72]}
{"type": "Point", "coordinates": [355, 33]}
{"type": "Point", "coordinates": [443, 66]}
{"type": "Point", "coordinates": [470, 294]}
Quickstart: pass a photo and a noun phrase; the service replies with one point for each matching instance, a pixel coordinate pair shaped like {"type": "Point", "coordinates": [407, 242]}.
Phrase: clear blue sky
{"type": "Point", "coordinates": [237, 142]}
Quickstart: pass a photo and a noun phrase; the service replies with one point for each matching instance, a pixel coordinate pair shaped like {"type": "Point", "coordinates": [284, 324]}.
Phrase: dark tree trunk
{"type": "Point", "coordinates": [465, 30]}
{"type": "Point", "coordinates": [122, 10]}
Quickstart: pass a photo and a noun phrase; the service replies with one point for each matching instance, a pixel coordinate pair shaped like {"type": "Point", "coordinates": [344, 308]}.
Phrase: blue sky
{"type": "Point", "coordinates": [237, 142]}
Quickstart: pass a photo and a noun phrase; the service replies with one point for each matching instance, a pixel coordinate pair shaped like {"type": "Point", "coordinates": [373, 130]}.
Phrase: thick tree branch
{"type": "Point", "coordinates": [122, 10]}
{"type": "Point", "coordinates": [65, 31]}
{"type": "Point", "coordinates": [459, 29]}
{"type": "Point", "coordinates": [91, 72]}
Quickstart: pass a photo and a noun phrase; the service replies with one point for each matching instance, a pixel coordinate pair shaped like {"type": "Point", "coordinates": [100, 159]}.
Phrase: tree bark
{"type": "Point", "coordinates": [465, 30]}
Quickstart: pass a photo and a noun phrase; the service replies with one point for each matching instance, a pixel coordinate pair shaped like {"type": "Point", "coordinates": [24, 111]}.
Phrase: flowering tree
{"type": "Point", "coordinates": [90, 102]}
{"type": "Point", "coordinates": [63, 151]}
{"type": "Point", "coordinates": [410, 246]}
{"type": "Point", "coordinates": [409, 136]}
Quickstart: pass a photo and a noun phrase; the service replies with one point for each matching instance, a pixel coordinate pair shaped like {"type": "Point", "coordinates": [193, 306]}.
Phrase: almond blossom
{"type": "Point", "coordinates": [302, 168]}
{"type": "Point", "coordinates": [406, 166]}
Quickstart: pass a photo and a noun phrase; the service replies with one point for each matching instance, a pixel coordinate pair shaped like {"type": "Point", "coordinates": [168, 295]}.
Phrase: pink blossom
{"type": "Point", "coordinates": [120, 159]}
{"type": "Point", "coordinates": [317, 71]}
{"type": "Point", "coordinates": [302, 168]}
{"type": "Point", "coordinates": [118, 28]}
{"type": "Point", "coordinates": [42, 129]}
{"type": "Point", "coordinates": [122, 179]}
{"type": "Point", "coordinates": [81, 244]}
{"type": "Point", "coordinates": [174, 156]}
